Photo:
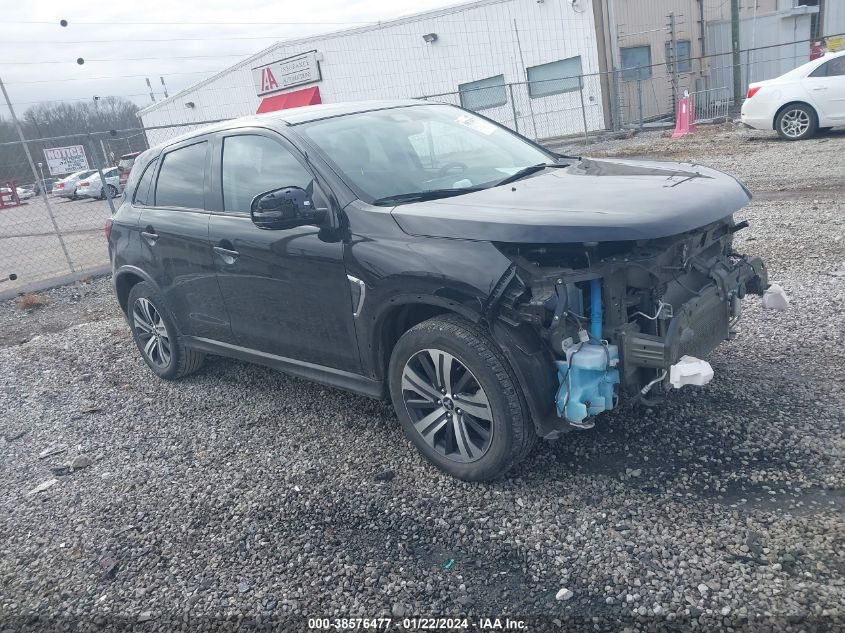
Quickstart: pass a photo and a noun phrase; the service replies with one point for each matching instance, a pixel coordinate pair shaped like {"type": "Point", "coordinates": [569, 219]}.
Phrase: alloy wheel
{"type": "Point", "coordinates": [794, 123]}
{"type": "Point", "coordinates": [150, 329]}
{"type": "Point", "coordinates": [447, 405]}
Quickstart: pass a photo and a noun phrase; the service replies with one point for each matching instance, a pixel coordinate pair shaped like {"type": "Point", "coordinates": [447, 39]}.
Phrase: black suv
{"type": "Point", "coordinates": [496, 291]}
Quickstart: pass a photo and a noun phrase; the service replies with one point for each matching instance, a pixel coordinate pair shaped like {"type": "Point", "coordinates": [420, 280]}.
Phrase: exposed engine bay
{"type": "Point", "coordinates": [630, 318]}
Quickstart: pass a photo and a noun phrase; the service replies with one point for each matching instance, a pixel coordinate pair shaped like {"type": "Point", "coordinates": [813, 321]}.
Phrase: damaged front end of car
{"type": "Point", "coordinates": [627, 318]}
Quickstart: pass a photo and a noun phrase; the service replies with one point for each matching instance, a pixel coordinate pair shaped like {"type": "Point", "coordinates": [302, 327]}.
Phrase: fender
{"type": "Point", "coordinates": [533, 365]}
{"type": "Point", "coordinates": [400, 271]}
{"type": "Point", "coordinates": [376, 330]}
{"type": "Point", "coordinates": [122, 271]}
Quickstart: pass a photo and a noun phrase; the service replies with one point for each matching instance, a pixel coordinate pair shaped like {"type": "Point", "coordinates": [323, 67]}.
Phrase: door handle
{"type": "Point", "coordinates": [228, 256]}
{"type": "Point", "coordinates": [150, 237]}
{"type": "Point", "coordinates": [820, 88]}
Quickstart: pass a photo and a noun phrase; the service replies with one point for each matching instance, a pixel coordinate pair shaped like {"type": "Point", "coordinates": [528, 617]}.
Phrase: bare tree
{"type": "Point", "coordinates": [53, 119]}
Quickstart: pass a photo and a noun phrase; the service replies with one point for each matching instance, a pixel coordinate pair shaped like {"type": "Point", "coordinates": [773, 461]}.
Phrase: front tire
{"type": "Point", "coordinates": [156, 336]}
{"type": "Point", "coordinates": [796, 122]}
{"type": "Point", "coordinates": [457, 399]}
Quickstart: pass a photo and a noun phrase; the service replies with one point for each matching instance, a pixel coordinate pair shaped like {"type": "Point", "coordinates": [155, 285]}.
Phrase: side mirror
{"type": "Point", "coordinates": [285, 208]}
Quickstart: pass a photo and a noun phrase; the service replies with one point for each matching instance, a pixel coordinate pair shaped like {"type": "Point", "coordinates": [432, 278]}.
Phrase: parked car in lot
{"type": "Point", "coordinates": [92, 187]}
{"type": "Point", "coordinates": [124, 167]}
{"type": "Point", "coordinates": [802, 101]}
{"type": "Point", "coordinates": [21, 193]}
{"type": "Point", "coordinates": [47, 183]}
{"type": "Point", "coordinates": [66, 187]}
{"type": "Point", "coordinates": [495, 291]}
{"type": "Point", "coordinates": [25, 192]}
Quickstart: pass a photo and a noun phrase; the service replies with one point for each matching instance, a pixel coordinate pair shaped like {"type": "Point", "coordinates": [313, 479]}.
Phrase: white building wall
{"type": "Point", "coordinates": [392, 60]}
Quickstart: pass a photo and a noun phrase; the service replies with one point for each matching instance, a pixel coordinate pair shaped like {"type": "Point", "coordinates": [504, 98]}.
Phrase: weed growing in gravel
{"type": "Point", "coordinates": [30, 301]}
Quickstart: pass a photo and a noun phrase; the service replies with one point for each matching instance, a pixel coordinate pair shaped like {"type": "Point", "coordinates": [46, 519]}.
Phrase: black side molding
{"type": "Point", "coordinates": [340, 379]}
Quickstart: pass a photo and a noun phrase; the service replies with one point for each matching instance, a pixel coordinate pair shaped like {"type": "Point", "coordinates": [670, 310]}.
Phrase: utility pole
{"type": "Point", "coordinates": [737, 64]}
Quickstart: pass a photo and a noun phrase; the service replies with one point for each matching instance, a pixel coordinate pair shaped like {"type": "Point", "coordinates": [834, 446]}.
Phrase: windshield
{"type": "Point", "coordinates": [387, 153]}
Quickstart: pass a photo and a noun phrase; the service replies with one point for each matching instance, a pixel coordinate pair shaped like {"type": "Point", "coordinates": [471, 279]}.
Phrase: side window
{"type": "Point", "coordinates": [143, 190]}
{"type": "Point", "coordinates": [833, 68]}
{"type": "Point", "coordinates": [253, 165]}
{"type": "Point", "coordinates": [181, 180]}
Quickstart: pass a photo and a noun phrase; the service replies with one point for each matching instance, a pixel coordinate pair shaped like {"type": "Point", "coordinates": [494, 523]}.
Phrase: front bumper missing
{"type": "Point", "coordinates": [660, 301]}
{"type": "Point", "coordinates": [698, 326]}
{"type": "Point", "coordinates": [689, 330]}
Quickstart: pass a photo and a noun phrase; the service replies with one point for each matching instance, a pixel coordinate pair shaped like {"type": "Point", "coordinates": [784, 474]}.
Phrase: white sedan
{"type": "Point", "coordinates": [796, 104]}
{"type": "Point", "coordinates": [92, 187]}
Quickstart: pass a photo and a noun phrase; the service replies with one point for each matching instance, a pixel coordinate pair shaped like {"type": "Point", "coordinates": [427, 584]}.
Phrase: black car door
{"type": "Point", "coordinates": [286, 291]}
{"type": "Point", "coordinates": [174, 238]}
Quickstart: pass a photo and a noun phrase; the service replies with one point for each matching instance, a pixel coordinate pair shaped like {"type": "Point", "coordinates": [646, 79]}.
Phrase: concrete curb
{"type": "Point", "coordinates": [55, 282]}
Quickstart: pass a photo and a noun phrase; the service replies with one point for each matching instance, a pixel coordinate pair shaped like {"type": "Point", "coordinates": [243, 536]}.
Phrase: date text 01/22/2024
{"type": "Point", "coordinates": [416, 624]}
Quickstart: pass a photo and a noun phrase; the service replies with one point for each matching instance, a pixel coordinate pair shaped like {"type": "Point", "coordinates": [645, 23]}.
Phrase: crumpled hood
{"type": "Point", "coordinates": [591, 200]}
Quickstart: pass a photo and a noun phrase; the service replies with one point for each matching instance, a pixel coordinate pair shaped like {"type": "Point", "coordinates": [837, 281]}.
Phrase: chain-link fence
{"type": "Point", "coordinates": [636, 97]}
{"type": "Point", "coordinates": [55, 196]}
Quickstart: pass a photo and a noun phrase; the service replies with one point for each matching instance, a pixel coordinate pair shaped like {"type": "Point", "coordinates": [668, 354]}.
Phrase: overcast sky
{"type": "Point", "coordinates": [38, 56]}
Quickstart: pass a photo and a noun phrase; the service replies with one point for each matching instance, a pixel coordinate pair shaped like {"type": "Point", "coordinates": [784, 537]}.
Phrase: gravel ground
{"type": "Point", "coordinates": [241, 497]}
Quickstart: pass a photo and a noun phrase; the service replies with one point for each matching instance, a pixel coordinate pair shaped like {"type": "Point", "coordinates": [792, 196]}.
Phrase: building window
{"type": "Point", "coordinates": [484, 93]}
{"type": "Point", "coordinates": [554, 78]}
{"type": "Point", "coordinates": [636, 63]}
{"type": "Point", "coordinates": [682, 55]}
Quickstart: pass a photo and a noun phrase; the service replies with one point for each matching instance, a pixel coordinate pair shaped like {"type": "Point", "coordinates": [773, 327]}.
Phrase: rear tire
{"type": "Point", "coordinates": [156, 336]}
{"type": "Point", "coordinates": [796, 122]}
{"type": "Point", "coordinates": [458, 401]}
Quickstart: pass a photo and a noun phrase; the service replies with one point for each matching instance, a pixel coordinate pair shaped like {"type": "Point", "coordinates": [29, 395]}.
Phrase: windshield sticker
{"type": "Point", "coordinates": [479, 125]}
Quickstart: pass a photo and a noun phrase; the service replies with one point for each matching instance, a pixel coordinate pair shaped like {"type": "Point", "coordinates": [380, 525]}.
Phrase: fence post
{"type": "Point", "coordinates": [100, 172]}
{"type": "Point", "coordinates": [616, 105]}
{"type": "Point", "coordinates": [640, 98]}
{"type": "Point", "coordinates": [583, 110]}
{"type": "Point", "coordinates": [513, 109]}
{"type": "Point", "coordinates": [35, 176]}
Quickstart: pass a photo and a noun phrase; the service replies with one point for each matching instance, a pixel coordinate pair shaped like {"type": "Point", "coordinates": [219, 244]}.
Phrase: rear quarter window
{"type": "Point", "coordinates": [143, 192]}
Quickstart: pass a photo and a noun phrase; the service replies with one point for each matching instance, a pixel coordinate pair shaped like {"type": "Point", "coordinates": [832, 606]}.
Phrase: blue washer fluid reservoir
{"type": "Point", "coordinates": [586, 381]}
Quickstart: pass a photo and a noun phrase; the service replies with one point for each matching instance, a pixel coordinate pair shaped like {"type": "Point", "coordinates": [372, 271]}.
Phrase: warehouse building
{"type": "Point", "coordinates": [474, 50]}
{"type": "Point", "coordinates": [546, 68]}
